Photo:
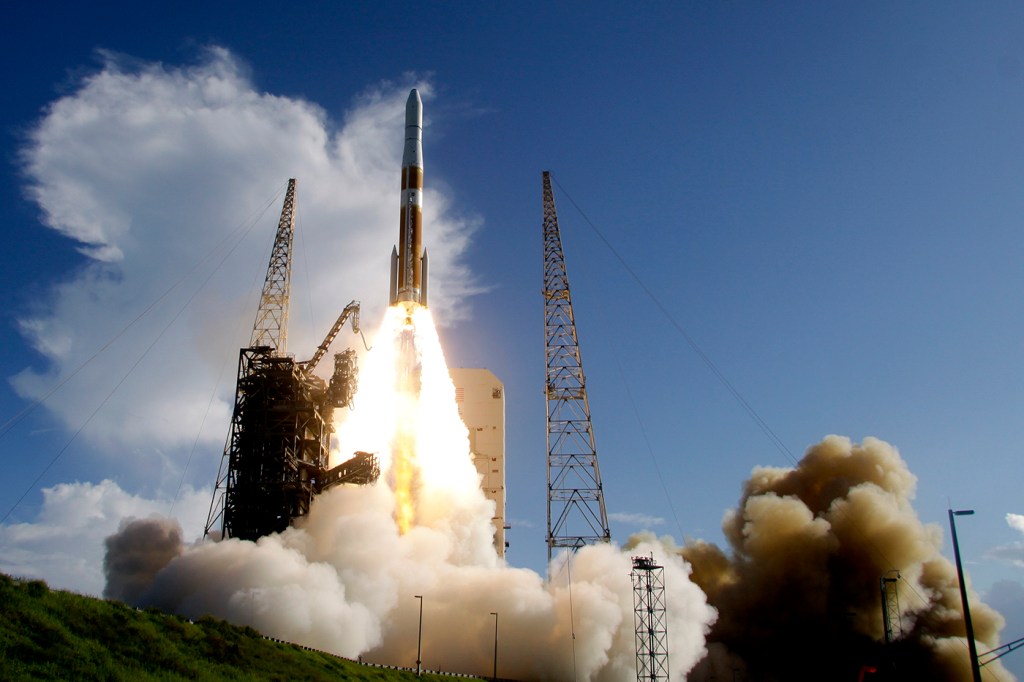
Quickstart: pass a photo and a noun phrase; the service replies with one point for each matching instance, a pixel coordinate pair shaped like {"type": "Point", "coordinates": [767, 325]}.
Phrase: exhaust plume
{"type": "Point", "coordinates": [136, 553]}
{"type": "Point", "coordinates": [344, 579]}
{"type": "Point", "coordinates": [799, 593]}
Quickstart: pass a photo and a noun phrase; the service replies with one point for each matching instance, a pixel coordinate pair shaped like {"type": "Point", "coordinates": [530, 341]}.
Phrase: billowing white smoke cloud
{"type": "Point", "coordinates": [345, 578]}
{"type": "Point", "coordinates": [345, 582]}
{"type": "Point", "coordinates": [149, 168]}
{"type": "Point", "coordinates": [64, 544]}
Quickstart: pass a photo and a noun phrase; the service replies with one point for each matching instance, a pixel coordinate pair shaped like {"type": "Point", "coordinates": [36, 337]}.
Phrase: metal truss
{"type": "Point", "coordinates": [649, 619]}
{"type": "Point", "coordinates": [576, 510]}
{"type": "Point", "coordinates": [271, 327]}
{"type": "Point", "coordinates": [891, 608]}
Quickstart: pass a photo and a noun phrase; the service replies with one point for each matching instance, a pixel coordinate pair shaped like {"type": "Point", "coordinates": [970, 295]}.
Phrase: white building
{"type": "Point", "coordinates": [481, 399]}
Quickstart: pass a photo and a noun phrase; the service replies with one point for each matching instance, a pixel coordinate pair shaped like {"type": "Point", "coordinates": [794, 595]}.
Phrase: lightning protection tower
{"type": "Point", "coordinates": [576, 511]}
{"type": "Point", "coordinates": [649, 619]}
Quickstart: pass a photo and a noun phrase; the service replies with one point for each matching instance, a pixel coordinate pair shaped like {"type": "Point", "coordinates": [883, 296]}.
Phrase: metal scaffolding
{"type": "Point", "coordinates": [891, 608]}
{"type": "Point", "coordinates": [276, 455]}
{"type": "Point", "coordinates": [576, 510]}
{"type": "Point", "coordinates": [278, 445]}
{"type": "Point", "coordinates": [651, 629]}
{"type": "Point", "coordinates": [271, 327]}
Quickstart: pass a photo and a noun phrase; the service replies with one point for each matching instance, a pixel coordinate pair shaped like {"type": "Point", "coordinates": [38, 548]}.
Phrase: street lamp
{"type": "Point", "coordinates": [495, 675]}
{"type": "Point", "coordinates": [419, 637]}
{"type": "Point", "coordinates": [971, 646]}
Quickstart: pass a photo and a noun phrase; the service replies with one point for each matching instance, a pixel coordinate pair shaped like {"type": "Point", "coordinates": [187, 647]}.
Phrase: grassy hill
{"type": "Point", "coordinates": [52, 635]}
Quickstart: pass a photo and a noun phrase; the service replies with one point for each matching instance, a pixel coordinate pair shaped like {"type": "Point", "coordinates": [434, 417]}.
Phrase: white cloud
{"type": "Point", "coordinates": [150, 168]}
{"type": "Point", "coordinates": [1012, 552]}
{"type": "Point", "coordinates": [153, 169]}
{"type": "Point", "coordinates": [633, 519]}
{"type": "Point", "coordinates": [64, 543]}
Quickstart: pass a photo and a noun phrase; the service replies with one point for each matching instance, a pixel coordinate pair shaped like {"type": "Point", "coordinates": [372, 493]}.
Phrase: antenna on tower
{"type": "Point", "coordinates": [576, 511]}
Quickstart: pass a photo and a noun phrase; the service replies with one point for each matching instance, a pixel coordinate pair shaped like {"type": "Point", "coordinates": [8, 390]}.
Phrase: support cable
{"type": "Point", "coordinates": [705, 358]}
{"type": "Point", "coordinates": [244, 227]}
{"type": "Point", "coordinates": [647, 440]}
{"type": "Point", "coordinates": [747, 407]}
{"type": "Point", "coordinates": [131, 369]}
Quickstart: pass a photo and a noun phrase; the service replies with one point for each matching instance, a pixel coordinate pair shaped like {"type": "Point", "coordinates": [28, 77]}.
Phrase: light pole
{"type": "Point", "coordinates": [972, 648]}
{"type": "Point", "coordinates": [495, 675]}
{"type": "Point", "coordinates": [419, 638]}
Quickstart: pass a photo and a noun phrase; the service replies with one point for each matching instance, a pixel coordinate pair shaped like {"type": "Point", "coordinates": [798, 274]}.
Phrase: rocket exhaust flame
{"type": "Point", "coordinates": [797, 597]}
{"type": "Point", "coordinates": [342, 580]}
{"type": "Point", "coordinates": [408, 370]}
{"type": "Point", "coordinates": [408, 293]}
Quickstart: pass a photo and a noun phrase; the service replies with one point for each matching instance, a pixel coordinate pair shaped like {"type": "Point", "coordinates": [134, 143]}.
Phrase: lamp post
{"type": "Point", "coordinates": [495, 674]}
{"type": "Point", "coordinates": [972, 648]}
{"type": "Point", "coordinates": [419, 638]}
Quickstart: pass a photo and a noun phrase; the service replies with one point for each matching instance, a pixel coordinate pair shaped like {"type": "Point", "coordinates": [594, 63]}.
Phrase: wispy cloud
{"type": "Point", "coordinates": [1012, 552]}
{"type": "Point", "coordinates": [633, 519]}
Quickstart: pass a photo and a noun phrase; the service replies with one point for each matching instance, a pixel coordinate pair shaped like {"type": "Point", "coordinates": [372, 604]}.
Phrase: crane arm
{"type": "Point", "coordinates": [351, 310]}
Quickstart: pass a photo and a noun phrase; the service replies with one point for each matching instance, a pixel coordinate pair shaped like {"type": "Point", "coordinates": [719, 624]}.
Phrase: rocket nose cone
{"type": "Point", "coordinates": [414, 109]}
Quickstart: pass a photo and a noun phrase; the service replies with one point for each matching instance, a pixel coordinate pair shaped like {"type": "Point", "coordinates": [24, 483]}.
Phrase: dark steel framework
{"type": "Point", "coordinates": [576, 510]}
{"type": "Point", "coordinates": [891, 609]}
{"type": "Point", "coordinates": [649, 619]}
{"type": "Point", "coordinates": [271, 326]}
{"type": "Point", "coordinates": [278, 446]}
{"type": "Point", "coordinates": [276, 454]}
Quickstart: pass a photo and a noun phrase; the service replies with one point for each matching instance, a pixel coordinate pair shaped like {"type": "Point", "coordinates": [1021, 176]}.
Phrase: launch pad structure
{"type": "Point", "coordinates": [276, 456]}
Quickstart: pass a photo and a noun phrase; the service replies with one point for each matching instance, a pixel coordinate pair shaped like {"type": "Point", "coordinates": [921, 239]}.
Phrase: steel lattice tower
{"type": "Point", "coordinates": [271, 327]}
{"type": "Point", "coordinates": [576, 511]}
{"type": "Point", "coordinates": [891, 621]}
{"type": "Point", "coordinates": [651, 630]}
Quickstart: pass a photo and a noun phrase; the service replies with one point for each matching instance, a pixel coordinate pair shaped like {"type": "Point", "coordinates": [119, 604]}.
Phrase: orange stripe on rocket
{"type": "Point", "coordinates": [409, 258]}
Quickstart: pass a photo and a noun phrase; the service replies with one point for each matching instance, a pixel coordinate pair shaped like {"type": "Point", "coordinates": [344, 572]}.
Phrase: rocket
{"type": "Point", "coordinates": [408, 258]}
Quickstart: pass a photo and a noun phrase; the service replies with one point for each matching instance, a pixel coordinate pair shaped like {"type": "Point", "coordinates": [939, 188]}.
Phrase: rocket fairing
{"type": "Point", "coordinates": [408, 258]}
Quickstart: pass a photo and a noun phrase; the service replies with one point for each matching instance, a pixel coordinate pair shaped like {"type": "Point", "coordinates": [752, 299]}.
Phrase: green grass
{"type": "Point", "coordinates": [52, 635]}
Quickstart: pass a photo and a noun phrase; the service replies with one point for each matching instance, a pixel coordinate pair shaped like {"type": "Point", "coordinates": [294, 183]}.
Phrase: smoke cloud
{"type": "Point", "coordinates": [799, 593]}
{"type": "Point", "coordinates": [150, 169]}
{"type": "Point", "coordinates": [139, 549]}
{"type": "Point", "coordinates": [345, 579]}
{"type": "Point", "coordinates": [64, 544]}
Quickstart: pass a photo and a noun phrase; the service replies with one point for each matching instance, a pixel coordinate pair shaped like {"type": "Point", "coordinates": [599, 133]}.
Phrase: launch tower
{"type": "Point", "coordinates": [576, 511]}
{"type": "Point", "coordinates": [276, 456]}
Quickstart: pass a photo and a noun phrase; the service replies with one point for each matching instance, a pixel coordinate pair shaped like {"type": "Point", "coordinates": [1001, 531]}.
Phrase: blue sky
{"type": "Point", "coordinates": [827, 198]}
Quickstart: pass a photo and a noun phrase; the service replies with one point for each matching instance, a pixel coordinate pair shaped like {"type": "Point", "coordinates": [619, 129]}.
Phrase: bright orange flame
{"type": "Point", "coordinates": [408, 383]}
{"type": "Point", "coordinates": [406, 413]}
